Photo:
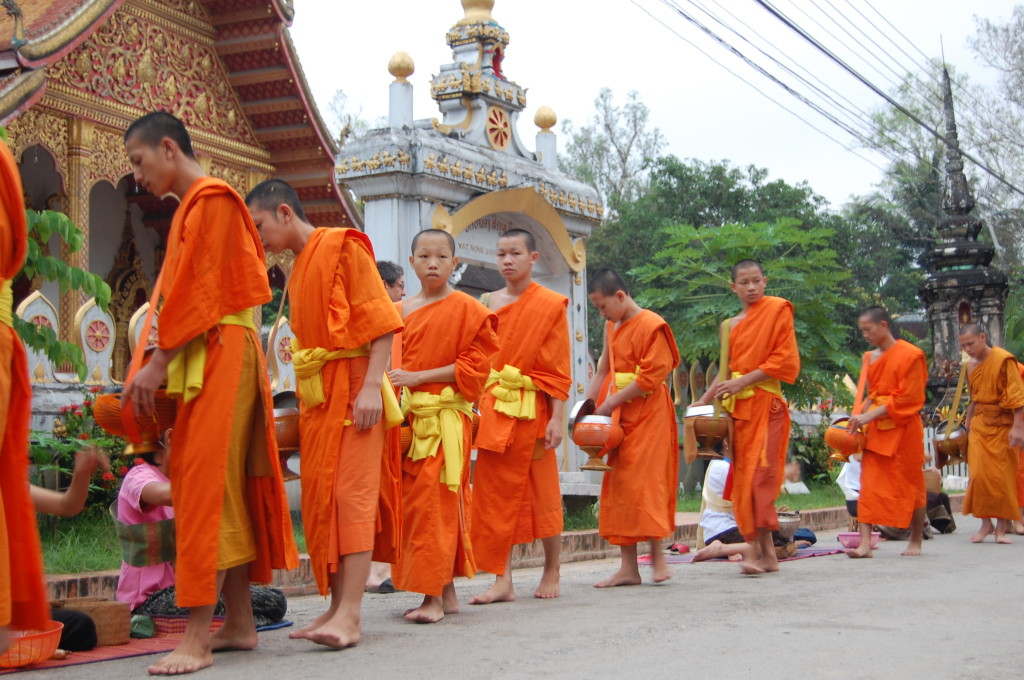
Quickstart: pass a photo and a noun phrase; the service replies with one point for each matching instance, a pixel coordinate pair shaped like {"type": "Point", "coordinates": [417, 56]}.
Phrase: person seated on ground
{"type": "Point", "coordinates": [722, 538]}
{"type": "Point", "coordinates": [938, 505]}
{"type": "Point", "coordinates": [940, 514]}
{"type": "Point", "coordinates": [79, 632]}
{"type": "Point", "coordinates": [144, 520]}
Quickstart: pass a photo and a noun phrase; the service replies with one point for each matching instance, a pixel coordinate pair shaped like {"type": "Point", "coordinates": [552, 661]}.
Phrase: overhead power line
{"type": "Point", "coordinates": [786, 21]}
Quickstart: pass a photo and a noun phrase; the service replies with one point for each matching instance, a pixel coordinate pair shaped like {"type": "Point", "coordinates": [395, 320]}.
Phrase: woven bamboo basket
{"type": "Point", "coordinates": [112, 618]}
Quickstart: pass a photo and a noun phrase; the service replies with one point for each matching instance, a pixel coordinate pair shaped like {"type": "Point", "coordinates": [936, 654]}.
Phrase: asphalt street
{"type": "Point", "coordinates": [955, 612]}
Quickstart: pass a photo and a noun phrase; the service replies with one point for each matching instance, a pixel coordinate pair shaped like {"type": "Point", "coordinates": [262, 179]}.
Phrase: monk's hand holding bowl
{"type": "Point", "coordinates": [727, 387]}
{"type": "Point", "coordinates": [141, 390]}
{"type": "Point", "coordinates": [367, 408]}
{"type": "Point", "coordinates": [856, 423]}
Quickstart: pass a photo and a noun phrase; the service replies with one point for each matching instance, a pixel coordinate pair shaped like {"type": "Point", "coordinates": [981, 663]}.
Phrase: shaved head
{"type": "Point", "coordinates": [607, 282]}
{"type": "Point", "coordinates": [743, 264]}
{"type": "Point", "coordinates": [433, 232]}
{"type": "Point", "coordinates": [528, 239]}
{"type": "Point", "coordinates": [153, 127]}
{"type": "Point", "coordinates": [972, 328]}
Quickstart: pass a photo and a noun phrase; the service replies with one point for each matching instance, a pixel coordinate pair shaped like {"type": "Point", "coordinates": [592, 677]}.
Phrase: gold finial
{"type": "Point", "coordinates": [477, 11]}
{"type": "Point", "coordinates": [545, 118]}
{"type": "Point", "coordinates": [401, 66]}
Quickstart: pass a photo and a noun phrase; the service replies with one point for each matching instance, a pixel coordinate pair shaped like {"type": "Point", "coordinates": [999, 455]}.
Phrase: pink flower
{"type": "Point", "coordinates": [122, 472]}
{"type": "Point", "coordinates": [78, 413]}
{"type": "Point", "coordinates": [65, 409]}
{"type": "Point", "coordinates": [107, 477]}
{"type": "Point", "coordinates": [87, 403]}
{"type": "Point", "coordinates": [84, 436]}
{"type": "Point", "coordinates": [139, 461]}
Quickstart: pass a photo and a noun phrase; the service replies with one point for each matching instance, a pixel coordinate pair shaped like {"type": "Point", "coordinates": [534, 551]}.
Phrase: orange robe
{"type": "Point", "coordinates": [638, 496]}
{"type": "Point", "coordinates": [892, 475]}
{"type": "Point", "coordinates": [765, 339]}
{"type": "Point", "coordinates": [436, 544]}
{"type": "Point", "coordinates": [338, 303]}
{"type": "Point", "coordinates": [1020, 457]}
{"type": "Point", "coordinates": [215, 267]}
{"type": "Point", "coordinates": [23, 603]}
{"type": "Point", "coordinates": [996, 389]}
{"type": "Point", "coordinates": [516, 495]}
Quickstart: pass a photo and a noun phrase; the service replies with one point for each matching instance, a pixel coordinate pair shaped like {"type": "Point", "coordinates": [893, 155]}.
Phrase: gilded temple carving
{"type": "Point", "coordinates": [47, 130]}
{"type": "Point", "coordinates": [107, 161]}
{"type": "Point", "coordinates": [135, 60]}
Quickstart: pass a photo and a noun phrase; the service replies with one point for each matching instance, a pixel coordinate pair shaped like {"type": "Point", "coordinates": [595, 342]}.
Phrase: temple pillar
{"type": "Point", "coordinates": [80, 143]}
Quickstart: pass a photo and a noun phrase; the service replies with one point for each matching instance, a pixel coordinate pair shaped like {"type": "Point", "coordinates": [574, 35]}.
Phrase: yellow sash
{"type": "Point", "coordinates": [437, 423]}
{"type": "Point", "coordinates": [308, 364]}
{"type": "Point", "coordinates": [515, 395]}
{"type": "Point", "coordinates": [185, 372]}
{"type": "Point", "coordinates": [623, 379]}
{"type": "Point", "coordinates": [772, 386]}
{"type": "Point", "coordinates": [6, 304]}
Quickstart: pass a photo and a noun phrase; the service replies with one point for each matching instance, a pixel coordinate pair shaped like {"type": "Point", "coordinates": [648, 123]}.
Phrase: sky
{"type": "Point", "coordinates": [565, 51]}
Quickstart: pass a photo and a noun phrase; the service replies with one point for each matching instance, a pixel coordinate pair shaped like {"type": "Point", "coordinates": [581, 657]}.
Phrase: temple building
{"type": "Point", "coordinates": [960, 286]}
{"type": "Point", "coordinates": [472, 175]}
{"type": "Point", "coordinates": [75, 73]}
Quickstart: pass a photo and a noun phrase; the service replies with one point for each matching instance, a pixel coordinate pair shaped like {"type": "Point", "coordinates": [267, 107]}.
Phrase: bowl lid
{"type": "Point", "coordinates": [580, 410]}
{"type": "Point", "coordinates": [958, 431]}
{"type": "Point", "coordinates": [693, 411]}
{"type": "Point", "coordinates": [600, 420]}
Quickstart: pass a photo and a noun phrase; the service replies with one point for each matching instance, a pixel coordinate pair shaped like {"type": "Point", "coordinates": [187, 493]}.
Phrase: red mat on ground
{"type": "Point", "coordinates": [169, 630]}
{"type": "Point", "coordinates": [802, 553]}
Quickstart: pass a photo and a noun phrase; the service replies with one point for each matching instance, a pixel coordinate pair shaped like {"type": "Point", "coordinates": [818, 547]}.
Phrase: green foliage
{"type": "Point", "coordinates": [42, 225]}
{"type": "Point", "coordinates": [808, 447]}
{"type": "Point", "coordinates": [688, 283]}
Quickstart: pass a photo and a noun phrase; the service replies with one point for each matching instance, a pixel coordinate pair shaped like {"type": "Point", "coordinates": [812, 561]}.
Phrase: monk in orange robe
{"type": "Point", "coordinates": [231, 514]}
{"type": "Point", "coordinates": [516, 495]}
{"type": "Point", "coordinates": [442, 365]}
{"type": "Point", "coordinates": [762, 354]}
{"type": "Point", "coordinates": [638, 495]}
{"type": "Point", "coordinates": [996, 432]}
{"type": "Point", "coordinates": [23, 604]}
{"type": "Point", "coordinates": [892, 490]}
{"type": "Point", "coordinates": [343, 322]}
{"type": "Point", "coordinates": [1018, 523]}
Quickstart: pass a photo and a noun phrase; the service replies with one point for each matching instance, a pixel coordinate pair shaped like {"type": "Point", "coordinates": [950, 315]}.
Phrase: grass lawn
{"type": "Point", "coordinates": [88, 543]}
{"type": "Point", "coordinates": [823, 495]}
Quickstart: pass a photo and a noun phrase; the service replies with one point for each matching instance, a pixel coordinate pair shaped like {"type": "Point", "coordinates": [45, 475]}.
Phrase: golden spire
{"type": "Point", "coordinates": [477, 11]}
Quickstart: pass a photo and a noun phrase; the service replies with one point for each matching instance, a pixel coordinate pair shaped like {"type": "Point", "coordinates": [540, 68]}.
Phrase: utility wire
{"type": "Point", "coordinates": [759, 90]}
{"type": "Point", "coordinates": [768, 7]}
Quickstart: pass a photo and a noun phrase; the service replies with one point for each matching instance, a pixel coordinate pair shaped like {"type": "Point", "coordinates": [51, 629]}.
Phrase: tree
{"type": "Point", "coordinates": [615, 152]}
{"type": "Point", "coordinates": [688, 283]}
{"type": "Point", "coordinates": [344, 123]}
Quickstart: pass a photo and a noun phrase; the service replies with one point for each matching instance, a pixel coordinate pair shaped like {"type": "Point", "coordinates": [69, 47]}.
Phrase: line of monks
{"type": "Point", "coordinates": [369, 369]}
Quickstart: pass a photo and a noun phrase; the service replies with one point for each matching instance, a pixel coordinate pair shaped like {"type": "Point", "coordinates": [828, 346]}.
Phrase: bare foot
{"type": "Point", "coordinates": [303, 633]}
{"type": "Point", "coordinates": [549, 587]}
{"type": "Point", "coordinates": [1018, 528]}
{"type": "Point", "coordinates": [913, 550]}
{"type": "Point", "coordinates": [450, 599]}
{"type": "Point", "coordinates": [501, 591]}
{"type": "Point", "coordinates": [338, 633]}
{"type": "Point", "coordinates": [982, 533]}
{"type": "Point", "coordinates": [662, 572]}
{"type": "Point", "coordinates": [187, 658]}
{"type": "Point", "coordinates": [751, 568]}
{"type": "Point", "coordinates": [712, 551]}
{"type": "Point", "coordinates": [860, 552]}
{"type": "Point", "coordinates": [431, 611]}
{"type": "Point", "coordinates": [737, 557]}
{"type": "Point", "coordinates": [237, 637]}
{"type": "Point", "coordinates": [622, 577]}
{"type": "Point", "coordinates": [1003, 539]}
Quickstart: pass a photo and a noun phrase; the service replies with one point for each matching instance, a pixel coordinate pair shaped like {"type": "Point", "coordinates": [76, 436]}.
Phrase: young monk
{"type": "Point", "coordinates": [516, 496]}
{"type": "Point", "coordinates": [762, 354]}
{"type": "Point", "coordinates": [343, 322]}
{"type": "Point", "coordinates": [996, 431]}
{"type": "Point", "coordinates": [231, 514]}
{"type": "Point", "coordinates": [892, 489]}
{"type": "Point", "coordinates": [443, 364]}
{"type": "Point", "coordinates": [638, 496]}
{"type": "Point", "coordinates": [23, 603]}
{"type": "Point", "coordinates": [1018, 523]}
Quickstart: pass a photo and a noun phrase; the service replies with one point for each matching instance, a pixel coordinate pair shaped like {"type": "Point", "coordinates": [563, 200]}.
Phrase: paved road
{"type": "Point", "coordinates": [955, 612]}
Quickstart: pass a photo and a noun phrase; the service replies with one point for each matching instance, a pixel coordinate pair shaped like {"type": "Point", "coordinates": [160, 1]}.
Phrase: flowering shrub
{"type": "Point", "coordinates": [53, 452]}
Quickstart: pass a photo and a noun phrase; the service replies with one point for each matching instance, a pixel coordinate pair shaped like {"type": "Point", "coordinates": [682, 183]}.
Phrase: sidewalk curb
{"type": "Point", "coordinates": [577, 546]}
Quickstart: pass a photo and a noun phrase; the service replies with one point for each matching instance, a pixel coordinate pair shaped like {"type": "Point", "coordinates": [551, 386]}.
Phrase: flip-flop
{"type": "Point", "coordinates": [386, 587]}
{"type": "Point", "coordinates": [679, 548]}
